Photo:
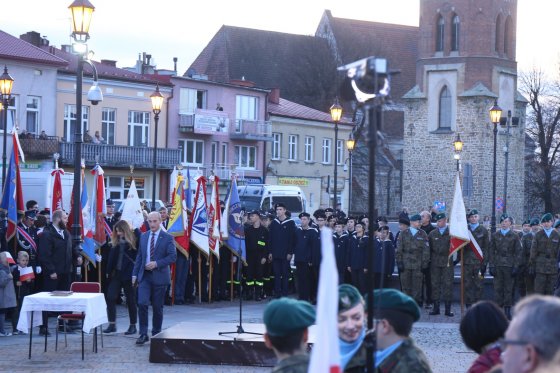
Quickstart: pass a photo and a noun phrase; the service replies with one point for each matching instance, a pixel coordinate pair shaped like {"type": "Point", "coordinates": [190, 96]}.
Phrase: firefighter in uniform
{"type": "Point", "coordinates": [412, 256]}
{"type": "Point", "coordinates": [27, 241]}
{"type": "Point", "coordinates": [256, 237]}
{"type": "Point", "coordinates": [441, 266]}
{"type": "Point", "coordinates": [543, 259]}
{"type": "Point", "coordinates": [504, 258]}
{"type": "Point", "coordinates": [474, 268]}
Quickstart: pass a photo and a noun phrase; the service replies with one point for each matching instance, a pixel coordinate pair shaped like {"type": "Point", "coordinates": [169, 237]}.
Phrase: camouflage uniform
{"type": "Point", "coordinates": [413, 255]}
{"type": "Point", "coordinates": [543, 261]}
{"type": "Point", "coordinates": [292, 364]}
{"type": "Point", "coordinates": [526, 282]}
{"type": "Point", "coordinates": [441, 267]}
{"type": "Point", "coordinates": [407, 358]}
{"type": "Point", "coordinates": [473, 269]}
{"type": "Point", "coordinates": [504, 258]}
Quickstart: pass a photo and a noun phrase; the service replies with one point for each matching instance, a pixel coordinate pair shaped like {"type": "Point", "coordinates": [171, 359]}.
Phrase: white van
{"type": "Point", "coordinates": [38, 185]}
{"type": "Point", "coordinates": [265, 196]}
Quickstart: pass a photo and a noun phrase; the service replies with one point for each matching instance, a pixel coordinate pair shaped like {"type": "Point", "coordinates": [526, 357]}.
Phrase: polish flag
{"type": "Point", "coordinates": [458, 229]}
{"type": "Point", "coordinates": [26, 273]}
{"type": "Point", "coordinates": [10, 259]}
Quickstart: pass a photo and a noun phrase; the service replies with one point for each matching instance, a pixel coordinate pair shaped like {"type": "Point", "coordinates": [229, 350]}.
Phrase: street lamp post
{"type": "Point", "coordinates": [336, 113]}
{"type": "Point", "coordinates": [458, 146]}
{"type": "Point", "coordinates": [82, 11]}
{"type": "Point", "coordinates": [6, 84]}
{"type": "Point", "coordinates": [506, 155]}
{"type": "Point", "coordinates": [157, 102]}
{"type": "Point", "coordinates": [495, 115]}
{"type": "Point", "coordinates": [350, 144]}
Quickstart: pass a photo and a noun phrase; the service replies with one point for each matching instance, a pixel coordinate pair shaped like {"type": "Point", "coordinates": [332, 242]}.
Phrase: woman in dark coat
{"type": "Point", "coordinates": [119, 272]}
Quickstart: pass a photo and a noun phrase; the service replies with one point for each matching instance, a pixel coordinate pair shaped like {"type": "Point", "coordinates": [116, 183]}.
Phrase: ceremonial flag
{"type": "Point", "coordinates": [132, 210]}
{"type": "Point", "coordinates": [214, 218]}
{"type": "Point", "coordinates": [325, 356]}
{"type": "Point", "coordinates": [88, 244]}
{"type": "Point", "coordinates": [458, 229]}
{"type": "Point", "coordinates": [198, 230]}
{"type": "Point", "coordinates": [173, 180]}
{"type": "Point", "coordinates": [188, 190]}
{"type": "Point", "coordinates": [225, 215]}
{"type": "Point", "coordinates": [98, 225]}
{"type": "Point", "coordinates": [236, 231]}
{"type": "Point", "coordinates": [178, 218]}
{"type": "Point", "coordinates": [10, 258]}
{"type": "Point", "coordinates": [26, 273]}
{"type": "Point", "coordinates": [57, 190]}
{"type": "Point", "coordinates": [475, 248]}
{"type": "Point", "coordinates": [12, 196]}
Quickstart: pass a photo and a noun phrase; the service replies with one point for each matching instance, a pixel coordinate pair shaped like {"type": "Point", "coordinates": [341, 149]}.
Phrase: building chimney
{"type": "Point", "coordinates": [66, 48]}
{"type": "Point", "coordinates": [111, 63]}
{"type": "Point", "coordinates": [175, 59]}
{"type": "Point", "coordinates": [274, 96]}
{"type": "Point", "coordinates": [32, 37]}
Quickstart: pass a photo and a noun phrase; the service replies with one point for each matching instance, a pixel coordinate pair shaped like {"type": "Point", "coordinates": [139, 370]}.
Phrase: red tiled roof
{"type": "Point", "coordinates": [290, 109]}
{"type": "Point", "coordinates": [13, 48]}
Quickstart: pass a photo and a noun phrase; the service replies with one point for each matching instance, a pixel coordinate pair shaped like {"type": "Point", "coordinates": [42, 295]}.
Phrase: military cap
{"type": "Point", "coordinates": [392, 299]}
{"type": "Point", "coordinates": [504, 217]}
{"type": "Point", "coordinates": [415, 217]}
{"type": "Point", "coordinates": [329, 209]}
{"type": "Point", "coordinates": [557, 224]}
{"type": "Point", "coordinates": [109, 202]}
{"type": "Point", "coordinates": [383, 219]}
{"type": "Point", "coordinates": [404, 221]}
{"type": "Point", "coordinates": [440, 216]}
{"type": "Point", "coordinates": [361, 217]}
{"type": "Point", "coordinates": [472, 212]}
{"type": "Point", "coordinates": [332, 217]}
{"type": "Point", "coordinates": [526, 222]}
{"type": "Point", "coordinates": [534, 221]}
{"type": "Point", "coordinates": [285, 316]}
{"type": "Point", "coordinates": [348, 297]}
{"type": "Point", "coordinates": [341, 221]}
{"type": "Point", "coordinates": [304, 214]}
{"type": "Point", "coordinates": [547, 217]}
{"type": "Point", "coordinates": [320, 216]}
{"type": "Point", "coordinates": [253, 212]}
{"type": "Point", "coordinates": [318, 212]}
{"type": "Point", "coordinates": [279, 204]}
{"type": "Point", "coordinates": [31, 214]}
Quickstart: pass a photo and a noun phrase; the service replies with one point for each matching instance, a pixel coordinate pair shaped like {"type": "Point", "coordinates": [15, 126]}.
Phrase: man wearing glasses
{"type": "Point", "coordinates": [532, 340]}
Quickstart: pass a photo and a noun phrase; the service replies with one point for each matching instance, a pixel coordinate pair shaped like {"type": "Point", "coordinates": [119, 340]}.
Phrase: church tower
{"type": "Point", "coordinates": [466, 61]}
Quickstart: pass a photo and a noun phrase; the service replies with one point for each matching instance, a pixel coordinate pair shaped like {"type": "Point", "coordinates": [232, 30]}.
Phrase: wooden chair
{"type": "Point", "coordinates": [79, 287]}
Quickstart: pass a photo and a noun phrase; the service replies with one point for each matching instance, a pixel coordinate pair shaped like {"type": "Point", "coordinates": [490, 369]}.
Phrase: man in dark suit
{"type": "Point", "coordinates": [151, 272]}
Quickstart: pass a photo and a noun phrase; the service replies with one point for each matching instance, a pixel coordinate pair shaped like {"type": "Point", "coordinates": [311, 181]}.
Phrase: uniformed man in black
{"type": "Point", "coordinates": [27, 241]}
{"type": "Point", "coordinates": [256, 238]}
{"type": "Point", "coordinates": [281, 241]}
{"type": "Point", "coordinates": [426, 226]}
{"type": "Point", "coordinates": [356, 256]}
{"type": "Point", "coordinates": [306, 238]}
{"type": "Point", "coordinates": [340, 238]}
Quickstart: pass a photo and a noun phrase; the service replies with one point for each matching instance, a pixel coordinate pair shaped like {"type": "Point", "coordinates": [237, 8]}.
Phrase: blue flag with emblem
{"type": "Point", "coordinates": [198, 231]}
{"type": "Point", "coordinates": [236, 231]}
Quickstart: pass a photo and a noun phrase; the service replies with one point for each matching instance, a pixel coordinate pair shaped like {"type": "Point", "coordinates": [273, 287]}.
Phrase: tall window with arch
{"type": "Point", "coordinates": [444, 111]}
{"type": "Point", "coordinates": [455, 25]}
{"type": "Point", "coordinates": [508, 37]}
{"type": "Point", "coordinates": [440, 27]}
{"type": "Point", "coordinates": [498, 33]}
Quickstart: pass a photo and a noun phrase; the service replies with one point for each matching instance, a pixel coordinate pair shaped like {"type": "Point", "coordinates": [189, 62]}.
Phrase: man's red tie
{"type": "Point", "coordinates": [152, 247]}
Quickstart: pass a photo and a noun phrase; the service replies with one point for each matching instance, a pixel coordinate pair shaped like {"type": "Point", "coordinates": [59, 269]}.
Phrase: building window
{"type": "Point", "coordinates": [276, 146]}
{"type": "Point", "coordinates": [444, 114]}
{"type": "Point", "coordinates": [32, 120]}
{"type": "Point", "coordinates": [455, 33]}
{"type": "Point", "coordinates": [339, 152]}
{"type": "Point", "coordinates": [70, 121]}
{"type": "Point", "coordinates": [327, 151]}
{"type": "Point", "coordinates": [224, 153]}
{"type": "Point", "coordinates": [309, 141]}
{"type": "Point", "coordinates": [214, 153]}
{"type": "Point", "coordinates": [498, 31]}
{"type": "Point", "coordinates": [108, 121]}
{"type": "Point", "coordinates": [117, 186]}
{"type": "Point", "coordinates": [246, 156]}
{"type": "Point", "coordinates": [245, 109]}
{"type": "Point", "coordinates": [292, 147]}
{"type": "Point", "coordinates": [467, 180]}
{"type": "Point", "coordinates": [12, 112]}
{"type": "Point", "coordinates": [191, 99]}
{"type": "Point", "coordinates": [138, 127]}
{"type": "Point", "coordinates": [508, 37]}
{"type": "Point", "coordinates": [192, 152]}
{"type": "Point", "coordinates": [440, 34]}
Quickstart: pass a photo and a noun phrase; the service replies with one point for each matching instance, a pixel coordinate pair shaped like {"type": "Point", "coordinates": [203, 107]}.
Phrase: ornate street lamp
{"type": "Point", "coordinates": [336, 114]}
{"type": "Point", "coordinates": [495, 115]}
{"type": "Point", "coordinates": [157, 102]}
{"type": "Point", "coordinates": [458, 146]}
{"type": "Point", "coordinates": [6, 84]}
{"type": "Point", "coordinates": [350, 144]}
{"type": "Point", "coordinates": [82, 11]}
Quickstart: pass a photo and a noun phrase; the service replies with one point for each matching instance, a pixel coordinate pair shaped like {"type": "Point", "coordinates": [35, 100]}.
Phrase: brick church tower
{"type": "Point", "coordinates": [466, 60]}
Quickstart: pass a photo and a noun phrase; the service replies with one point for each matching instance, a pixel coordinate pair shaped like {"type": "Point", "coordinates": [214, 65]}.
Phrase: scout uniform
{"type": "Point", "coordinates": [441, 268]}
{"type": "Point", "coordinates": [543, 259]}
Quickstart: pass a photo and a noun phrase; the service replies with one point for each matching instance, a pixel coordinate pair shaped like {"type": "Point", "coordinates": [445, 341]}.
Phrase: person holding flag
{"type": "Point", "coordinates": [27, 239]}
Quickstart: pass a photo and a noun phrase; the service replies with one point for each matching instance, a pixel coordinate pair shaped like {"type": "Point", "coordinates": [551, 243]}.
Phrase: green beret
{"type": "Point", "coordinates": [547, 217]}
{"type": "Point", "coordinates": [472, 212]}
{"type": "Point", "coordinates": [348, 297]}
{"type": "Point", "coordinates": [392, 299]}
{"type": "Point", "coordinates": [526, 222]}
{"type": "Point", "coordinates": [557, 224]}
{"type": "Point", "coordinates": [285, 316]}
{"type": "Point", "coordinates": [504, 217]}
{"type": "Point", "coordinates": [534, 221]}
{"type": "Point", "coordinates": [441, 215]}
{"type": "Point", "coordinates": [404, 221]}
{"type": "Point", "coordinates": [415, 217]}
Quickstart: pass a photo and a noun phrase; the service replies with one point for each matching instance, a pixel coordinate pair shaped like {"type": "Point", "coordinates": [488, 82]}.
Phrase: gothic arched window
{"type": "Point", "coordinates": [497, 36]}
{"type": "Point", "coordinates": [440, 34]}
{"type": "Point", "coordinates": [444, 110]}
{"type": "Point", "coordinates": [508, 37]}
{"type": "Point", "coordinates": [455, 33]}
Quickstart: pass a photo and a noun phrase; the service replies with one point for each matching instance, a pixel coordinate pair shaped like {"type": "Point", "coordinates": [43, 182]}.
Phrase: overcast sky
{"type": "Point", "coordinates": [121, 29]}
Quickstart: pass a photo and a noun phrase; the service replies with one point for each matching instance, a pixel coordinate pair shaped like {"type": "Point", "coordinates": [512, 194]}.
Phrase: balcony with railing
{"type": "Point", "coordinates": [244, 129]}
{"type": "Point", "coordinates": [121, 155]}
{"type": "Point", "coordinates": [38, 147]}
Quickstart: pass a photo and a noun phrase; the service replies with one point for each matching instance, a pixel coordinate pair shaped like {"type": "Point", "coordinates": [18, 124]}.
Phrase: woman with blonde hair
{"type": "Point", "coordinates": [119, 273]}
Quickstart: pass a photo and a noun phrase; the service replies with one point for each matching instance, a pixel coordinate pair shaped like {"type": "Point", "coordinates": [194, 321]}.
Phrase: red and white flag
{"type": "Point", "coordinates": [98, 225]}
{"type": "Point", "coordinates": [325, 356]}
{"type": "Point", "coordinates": [57, 190]}
{"type": "Point", "coordinates": [9, 257]}
{"type": "Point", "coordinates": [26, 273]}
{"type": "Point", "coordinates": [214, 218]}
{"type": "Point", "coordinates": [458, 229]}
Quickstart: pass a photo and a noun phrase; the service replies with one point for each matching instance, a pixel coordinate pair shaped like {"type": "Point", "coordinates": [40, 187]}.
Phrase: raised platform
{"type": "Point", "coordinates": [201, 343]}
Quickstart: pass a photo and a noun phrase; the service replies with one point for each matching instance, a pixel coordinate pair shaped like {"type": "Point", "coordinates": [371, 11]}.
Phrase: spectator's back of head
{"type": "Point", "coordinates": [484, 323]}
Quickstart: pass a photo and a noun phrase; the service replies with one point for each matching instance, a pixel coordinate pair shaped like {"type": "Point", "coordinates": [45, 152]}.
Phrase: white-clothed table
{"type": "Point", "coordinates": [93, 304]}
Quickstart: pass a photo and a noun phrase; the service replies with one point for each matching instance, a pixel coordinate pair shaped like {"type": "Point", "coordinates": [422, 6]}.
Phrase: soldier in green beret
{"type": "Point", "coordinates": [351, 328]}
{"type": "Point", "coordinates": [504, 258]}
{"type": "Point", "coordinates": [475, 269]}
{"type": "Point", "coordinates": [441, 266]}
{"type": "Point", "coordinates": [412, 256]}
{"type": "Point", "coordinates": [287, 321]}
{"type": "Point", "coordinates": [543, 264]}
{"type": "Point", "coordinates": [525, 283]}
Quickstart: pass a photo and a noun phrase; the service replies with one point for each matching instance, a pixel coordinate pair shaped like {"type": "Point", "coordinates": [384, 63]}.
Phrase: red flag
{"type": "Point", "coordinates": [57, 190]}
{"type": "Point", "coordinates": [99, 227]}
{"type": "Point", "coordinates": [10, 258]}
{"type": "Point", "coordinates": [26, 273]}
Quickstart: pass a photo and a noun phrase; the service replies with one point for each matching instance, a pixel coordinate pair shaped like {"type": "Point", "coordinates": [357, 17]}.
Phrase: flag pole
{"type": "Point", "coordinates": [231, 280]}
{"type": "Point", "coordinates": [199, 278]}
{"type": "Point", "coordinates": [462, 281]}
{"type": "Point", "coordinates": [210, 270]}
